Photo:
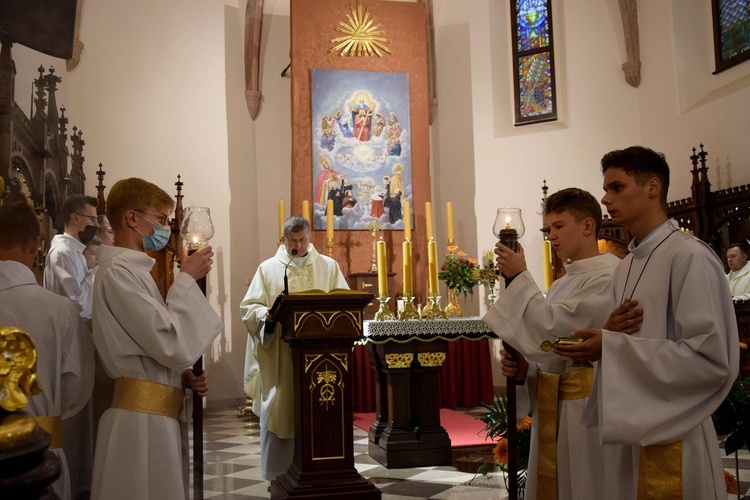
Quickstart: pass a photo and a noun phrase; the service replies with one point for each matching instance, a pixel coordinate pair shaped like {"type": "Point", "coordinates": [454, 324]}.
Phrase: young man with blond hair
{"type": "Point", "coordinates": [565, 460]}
{"type": "Point", "coordinates": [146, 344]}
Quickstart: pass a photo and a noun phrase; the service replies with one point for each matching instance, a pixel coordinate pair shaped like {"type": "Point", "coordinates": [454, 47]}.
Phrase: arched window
{"type": "Point", "coordinates": [534, 61]}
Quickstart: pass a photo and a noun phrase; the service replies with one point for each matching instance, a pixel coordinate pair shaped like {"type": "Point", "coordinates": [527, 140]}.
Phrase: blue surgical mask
{"type": "Point", "coordinates": [156, 241]}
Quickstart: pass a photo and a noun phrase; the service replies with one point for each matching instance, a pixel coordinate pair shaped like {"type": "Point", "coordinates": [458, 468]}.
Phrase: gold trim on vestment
{"type": "Point", "coordinates": [147, 397]}
{"type": "Point", "coordinates": [660, 472]}
{"type": "Point", "coordinates": [53, 426]}
{"type": "Point", "coordinates": [551, 388]}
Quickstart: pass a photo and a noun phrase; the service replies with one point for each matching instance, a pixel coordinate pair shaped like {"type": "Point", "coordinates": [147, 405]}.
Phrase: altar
{"type": "Point", "coordinates": [407, 359]}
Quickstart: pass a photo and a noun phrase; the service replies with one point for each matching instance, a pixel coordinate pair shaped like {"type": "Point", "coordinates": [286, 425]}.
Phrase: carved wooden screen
{"type": "Point", "coordinates": [533, 61]}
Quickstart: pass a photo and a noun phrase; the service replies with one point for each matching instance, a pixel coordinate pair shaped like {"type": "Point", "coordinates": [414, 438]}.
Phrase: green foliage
{"type": "Point", "coordinates": [732, 418]}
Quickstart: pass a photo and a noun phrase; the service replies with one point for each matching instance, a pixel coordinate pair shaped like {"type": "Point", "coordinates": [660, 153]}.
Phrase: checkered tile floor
{"type": "Point", "coordinates": [232, 468]}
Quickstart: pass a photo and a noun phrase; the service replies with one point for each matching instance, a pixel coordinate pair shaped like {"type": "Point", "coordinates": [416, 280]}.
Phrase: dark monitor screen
{"type": "Point", "coordinates": [44, 25]}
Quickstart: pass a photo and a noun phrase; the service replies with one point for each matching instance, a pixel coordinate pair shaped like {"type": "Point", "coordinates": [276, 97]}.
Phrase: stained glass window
{"type": "Point", "coordinates": [731, 32]}
{"type": "Point", "coordinates": [533, 56]}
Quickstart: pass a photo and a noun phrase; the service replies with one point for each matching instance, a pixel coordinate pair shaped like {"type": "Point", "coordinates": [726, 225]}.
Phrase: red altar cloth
{"type": "Point", "coordinates": [465, 379]}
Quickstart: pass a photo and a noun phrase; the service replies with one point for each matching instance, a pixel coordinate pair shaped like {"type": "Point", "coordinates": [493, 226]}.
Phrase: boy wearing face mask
{"type": "Point", "coordinates": [65, 269]}
{"type": "Point", "coordinates": [147, 345]}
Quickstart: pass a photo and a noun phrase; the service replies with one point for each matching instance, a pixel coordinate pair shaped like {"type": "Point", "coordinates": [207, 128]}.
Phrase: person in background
{"type": "Point", "coordinates": [89, 253]}
{"type": "Point", "coordinates": [739, 271]}
{"type": "Point", "coordinates": [105, 232]}
{"type": "Point", "coordinates": [64, 357]}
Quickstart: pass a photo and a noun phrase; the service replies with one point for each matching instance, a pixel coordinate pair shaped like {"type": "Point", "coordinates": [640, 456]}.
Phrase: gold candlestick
{"type": "Point", "coordinates": [373, 226]}
{"type": "Point", "coordinates": [434, 311]}
{"type": "Point", "coordinates": [409, 312]}
{"type": "Point", "coordinates": [452, 246]}
{"type": "Point", "coordinates": [384, 313]}
{"type": "Point", "coordinates": [329, 246]}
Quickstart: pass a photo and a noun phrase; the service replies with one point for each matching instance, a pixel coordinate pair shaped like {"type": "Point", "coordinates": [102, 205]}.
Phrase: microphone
{"type": "Point", "coordinates": [270, 326]}
{"type": "Point", "coordinates": [286, 280]}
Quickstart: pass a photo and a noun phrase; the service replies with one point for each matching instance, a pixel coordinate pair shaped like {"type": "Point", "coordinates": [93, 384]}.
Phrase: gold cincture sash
{"type": "Point", "coordinates": [53, 426]}
{"type": "Point", "coordinates": [147, 397]}
{"type": "Point", "coordinates": [551, 388]}
{"type": "Point", "coordinates": [660, 472]}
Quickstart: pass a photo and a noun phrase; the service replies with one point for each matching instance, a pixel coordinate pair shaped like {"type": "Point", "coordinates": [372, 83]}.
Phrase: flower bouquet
{"type": "Point", "coordinates": [458, 273]}
{"type": "Point", "coordinates": [496, 427]}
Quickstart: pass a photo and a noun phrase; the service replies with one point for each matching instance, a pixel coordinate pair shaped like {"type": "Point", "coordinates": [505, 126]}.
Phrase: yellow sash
{"type": "Point", "coordinates": [553, 387]}
{"type": "Point", "coordinates": [147, 397]}
{"type": "Point", "coordinates": [660, 472]}
{"type": "Point", "coordinates": [53, 426]}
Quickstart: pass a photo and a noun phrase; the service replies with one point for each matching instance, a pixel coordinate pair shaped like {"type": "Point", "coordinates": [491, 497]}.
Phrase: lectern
{"type": "Point", "coordinates": [321, 329]}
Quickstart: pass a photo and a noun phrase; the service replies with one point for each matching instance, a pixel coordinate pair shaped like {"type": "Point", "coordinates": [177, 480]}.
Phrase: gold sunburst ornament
{"type": "Point", "coordinates": [361, 37]}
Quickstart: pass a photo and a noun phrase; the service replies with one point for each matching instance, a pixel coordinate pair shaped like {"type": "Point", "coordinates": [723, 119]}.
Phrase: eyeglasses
{"type": "Point", "coordinates": [162, 218]}
{"type": "Point", "coordinates": [92, 218]}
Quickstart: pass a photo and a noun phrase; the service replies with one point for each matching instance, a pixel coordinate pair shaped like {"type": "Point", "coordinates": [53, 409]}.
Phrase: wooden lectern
{"type": "Point", "coordinates": [321, 329]}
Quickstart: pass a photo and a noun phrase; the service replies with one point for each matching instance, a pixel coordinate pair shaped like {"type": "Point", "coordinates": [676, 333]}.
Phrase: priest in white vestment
{"type": "Point", "coordinates": [573, 467]}
{"type": "Point", "coordinates": [64, 364]}
{"type": "Point", "coordinates": [656, 389]}
{"type": "Point", "coordinates": [739, 271]}
{"type": "Point", "coordinates": [306, 270]}
{"type": "Point", "coordinates": [145, 344]}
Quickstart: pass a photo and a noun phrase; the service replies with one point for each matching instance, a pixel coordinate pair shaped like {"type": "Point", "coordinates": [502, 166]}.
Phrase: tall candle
{"type": "Point", "coordinates": [449, 219]}
{"type": "Point", "coordinates": [407, 220]}
{"type": "Point", "coordinates": [428, 220]}
{"type": "Point", "coordinates": [547, 263]}
{"type": "Point", "coordinates": [306, 210]}
{"type": "Point", "coordinates": [432, 265]}
{"type": "Point", "coordinates": [329, 219]}
{"type": "Point", "coordinates": [382, 272]}
{"type": "Point", "coordinates": [408, 288]}
{"type": "Point", "coordinates": [281, 218]}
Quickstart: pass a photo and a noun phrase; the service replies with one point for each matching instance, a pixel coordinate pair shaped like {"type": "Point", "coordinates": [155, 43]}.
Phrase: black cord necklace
{"type": "Point", "coordinates": [627, 278]}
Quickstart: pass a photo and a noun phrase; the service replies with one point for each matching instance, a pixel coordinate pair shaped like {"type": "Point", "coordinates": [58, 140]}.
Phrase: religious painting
{"type": "Point", "coordinates": [533, 57]}
{"type": "Point", "coordinates": [361, 148]}
{"type": "Point", "coordinates": [731, 32]}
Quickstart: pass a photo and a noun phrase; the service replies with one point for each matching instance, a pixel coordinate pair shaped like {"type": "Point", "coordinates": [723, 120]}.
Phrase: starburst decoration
{"type": "Point", "coordinates": [361, 37]}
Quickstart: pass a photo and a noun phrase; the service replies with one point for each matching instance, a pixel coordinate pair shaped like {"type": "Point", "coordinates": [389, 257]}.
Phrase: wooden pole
{"type": "Point", "coordinates": [198, 424]}
{"type": "Point", "coordinates": [509, 238]}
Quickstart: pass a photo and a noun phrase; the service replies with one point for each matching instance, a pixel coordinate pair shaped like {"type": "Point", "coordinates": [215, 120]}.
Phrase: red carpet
{"type": "Point", "coordinates": [464, 430]}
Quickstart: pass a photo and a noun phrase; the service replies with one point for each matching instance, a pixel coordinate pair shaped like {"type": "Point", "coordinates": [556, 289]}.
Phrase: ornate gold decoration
{"type": "Point", "coordinates": [431, 358]}
{"type": "Point", "coordinates": [16, 428]}
{"type": "Point", "coordinates": [342, 358]}
{"type": "Point", "coordinates": [17, 368]}
{"type": "Point", "coordinates": [361, 37]}
{"type": "Point", "coordinates": [328, 318]}
{"type": "Point", "coordinates": [384, 313]}
{"type": "Point", "coordinates": [398, 360]}
{"type": "Point", "coordinates": [310, 359]}
{"type": "Point", "coordinates": [453, 309]}
{"type": "Point", "coordinates": [374, 227]}
{"type": "Point", "coordinates": [327, 378]}
{"type": "Point", "coordinates": [409, 312]}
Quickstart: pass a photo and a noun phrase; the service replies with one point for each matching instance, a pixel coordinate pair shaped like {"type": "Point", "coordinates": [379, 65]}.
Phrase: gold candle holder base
{"type": "Point", "coordinates": [329, 246]}
{"type": "Point", "coordinates": [409, 312]}
{"type": "Point", "coordinates": [434, 311]}
{"type": "Point", "coordinates": [452, 247]}
{"type": "Point", "coordinates": [384, 313]}
{"type": "Point", "coordinates": [246, 409]}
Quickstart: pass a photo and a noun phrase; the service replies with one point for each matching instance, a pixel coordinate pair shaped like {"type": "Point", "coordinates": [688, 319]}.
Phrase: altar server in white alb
{"type": "Point", "coordinates": [655, 390]}
{"type": "Point", "coordinates": [146, 344]}
{"type": "Point", "coordinates": [739, 271]}
{"type": "Point", "coordinates": [571, 466]}
{"type": "Point", "coordinates": [306, 270]}
{"type": "Point", "coordinates": [64, 366]}
{"type": "Point", "coordinates": [65, 269]}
